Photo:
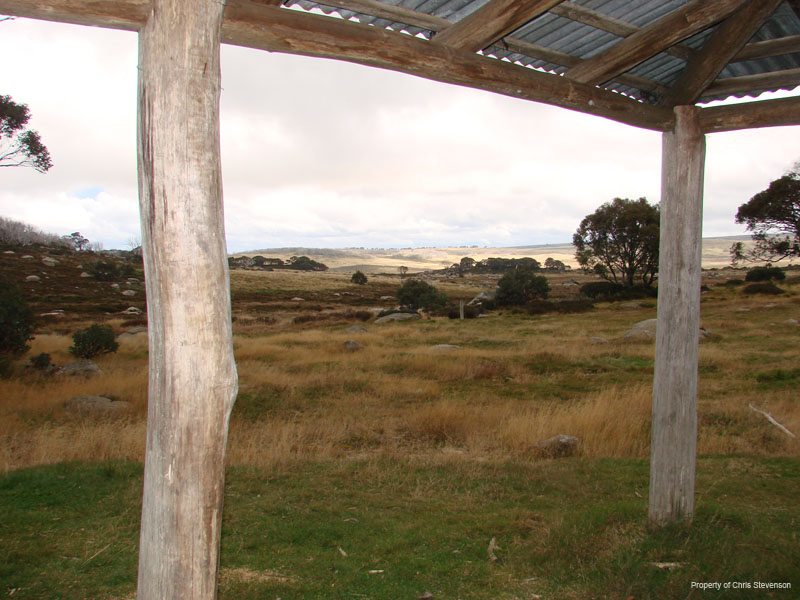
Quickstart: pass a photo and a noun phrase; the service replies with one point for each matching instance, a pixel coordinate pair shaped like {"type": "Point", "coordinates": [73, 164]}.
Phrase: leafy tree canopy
{"type": "Point", "coordinates": [773, 217]}
{"type": "Point", "coordinates": [520, 286]}
{"type": "Point", "coordinates": [619, 241]}
{"type": "Point", "coordinates": [551, 264]}
{"type": "Point", "coordinates": [77, 240]}
{"type": "Point", "coordinates": [416, 294]}
{"type": "Point", "coordinates": [20, 147]}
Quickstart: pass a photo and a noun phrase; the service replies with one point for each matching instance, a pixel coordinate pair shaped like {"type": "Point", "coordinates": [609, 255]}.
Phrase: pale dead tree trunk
{"type": "Point", "coordinates": [192, 380]}
{"type": "Point", "coordinates": [673, 443]}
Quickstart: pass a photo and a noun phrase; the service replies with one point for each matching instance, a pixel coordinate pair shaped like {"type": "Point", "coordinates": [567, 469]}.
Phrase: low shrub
{"type": "Point", "coordinates": [766, 287]}
{"type": "Point", "coordinates": [610, 291]}
{"type": "Point", "coordinates": [416, 294]}
{"type": "Point", "coordinates": [599, 289]}
{"type": "Point", "coordinates": [41, 362]}
{"type": "Point", "coordinates": [574, 305]}
{"type": "Point", "coordinates": [358, 278]}
{"type": "Point", "coordinates": [108, 270]}
{"type": "Point", "coordinates": [97, 339]}
{"type": "Point", "coordinates": [521, 286]}
{"type": "Point", "coordinates": [16, 320]}
{"type": "Point", "coordinates": [767, 273]}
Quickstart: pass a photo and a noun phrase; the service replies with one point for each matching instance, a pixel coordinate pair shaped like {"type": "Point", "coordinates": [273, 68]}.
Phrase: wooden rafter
{"type": "Point", "coordinates": [649, 41]}
{"type": "Point", "coordinates": [567, 60]}
{"type": "Point", "coordinates": [287, 31]}
{"type": "Point", "coordinates": [391, 12]}
{"type": "Point", "coordinates": [795, 4]}
{"type": "Point", "coordinates": [747, 115]}
{"type": "Point", "coordinates": [749, 83]}
{"type": "Point", "coordinates": [258, 25]}
{"type": "Point", "coordinates": [128, 15]}
{"type": "Point", "coordinates": [623, 29]}
{"type": "Point", "coordinates": [724, 43]}
{"type": "Point", "coordinates": [767, 48]}
{"type": "Point", "coordinates": [490, 22]}
{"type": "Point", "coordinates": [275, 29]}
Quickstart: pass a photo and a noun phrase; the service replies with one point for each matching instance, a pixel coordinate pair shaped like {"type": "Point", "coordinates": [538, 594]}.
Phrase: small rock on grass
{"type": "Point", "coordinates": [80, 367]}
{"type": "Point", "coordinates": [356, 329]}
{"type": "Point", "coordinates": [445, 348]}
{"type": "Point", "coordinates": [397, 317]}
{"type": "Point", "coordinates": [87, 405]}
{"type": "Point", "coordinates": [559, 445]}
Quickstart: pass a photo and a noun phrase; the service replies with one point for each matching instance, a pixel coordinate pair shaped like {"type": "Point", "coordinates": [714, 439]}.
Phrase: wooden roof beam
{"type": "Point", "coordinates": [649, 41]}
{"type": "Point", "coordinates": [278, 30]}
{"type": "Point", "coordinates": [725, 42]}
{"type": "Point", "coordinates": [128, 15]}
{"type": "Point", "coordinates": [776, 80]}
{"type": "Point", "coordinates": [767, 48]}
{"type": "Point", "coordinates": [264, 27]}
{"type": "Point", "coordinates": [490, 22]}
{"type": "Point", "coordinates": [762, 113]}
{"type": "Point", "coordinates": [587, 16]}
{"type": "Point", "coordinates": [567, 60]}
{"type": "Point", "coordinates": [391, 12]}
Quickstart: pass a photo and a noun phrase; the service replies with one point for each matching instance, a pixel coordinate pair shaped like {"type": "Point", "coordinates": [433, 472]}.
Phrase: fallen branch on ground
{"type": "Point", "coordinates": [772, 420]}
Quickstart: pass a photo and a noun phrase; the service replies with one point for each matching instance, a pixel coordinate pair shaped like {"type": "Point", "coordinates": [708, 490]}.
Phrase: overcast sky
{"type": "Point", "coordinates": [321, 153]}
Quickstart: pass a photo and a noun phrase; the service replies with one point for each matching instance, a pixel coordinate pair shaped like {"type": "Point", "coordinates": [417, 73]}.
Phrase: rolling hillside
{"type": "Point", "coordinates": [375, 260]}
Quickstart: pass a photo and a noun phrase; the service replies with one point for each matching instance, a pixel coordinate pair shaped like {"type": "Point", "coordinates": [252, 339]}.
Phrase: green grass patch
{"type": "Point", "coordinates": [385, 529]}
{"type": "Point", "coordinates": [778, 377]}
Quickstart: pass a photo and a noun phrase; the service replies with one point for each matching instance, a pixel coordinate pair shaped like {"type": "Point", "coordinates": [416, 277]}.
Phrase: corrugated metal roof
{"type": "Point", "coordinates": [581, 41]}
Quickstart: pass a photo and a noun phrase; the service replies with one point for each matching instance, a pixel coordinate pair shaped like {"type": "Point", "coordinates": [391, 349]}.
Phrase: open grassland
{"type": "Point", "coordinates": [512, 381]}
{"type": "Point", "coordinates": [384, 472]}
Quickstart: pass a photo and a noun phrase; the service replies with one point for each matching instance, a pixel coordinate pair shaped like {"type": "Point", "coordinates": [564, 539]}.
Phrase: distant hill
{"type": "Point", "coordinates": [377, 260]}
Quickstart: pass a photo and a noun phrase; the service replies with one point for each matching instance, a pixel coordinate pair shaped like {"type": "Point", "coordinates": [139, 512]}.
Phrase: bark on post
{"type": "Point", "coordinates": [674, 428]}
{"type": "Point", "coordinates": [192, 378]}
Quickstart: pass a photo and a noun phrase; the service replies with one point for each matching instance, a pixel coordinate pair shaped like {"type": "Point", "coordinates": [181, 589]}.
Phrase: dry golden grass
{"type": "Point", "coordinates": [513, 381]}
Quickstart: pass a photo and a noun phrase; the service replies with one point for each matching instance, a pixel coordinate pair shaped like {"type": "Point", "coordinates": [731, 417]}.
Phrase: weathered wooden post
{"type": "Point", "coordinates": [673, 443]}
{"type": "Point", "coordinates": [192, 380]}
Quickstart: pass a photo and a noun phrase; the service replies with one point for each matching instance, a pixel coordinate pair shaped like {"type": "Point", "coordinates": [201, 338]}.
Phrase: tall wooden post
{"type": "Point", "coordinates": [673, 443]}
{"type": "Point", "coordinates": [192, 378]}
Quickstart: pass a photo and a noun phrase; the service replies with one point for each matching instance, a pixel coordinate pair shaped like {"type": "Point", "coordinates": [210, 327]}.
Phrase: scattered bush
{"type": "Point", "coordinates": [519, 287]}
{"type": "Point", "coordinates": [734, 282]}
{"type": "Point", "coordinates": [765, 274]}
{"type": "Point", "coordinates": [767, 287]}
{"type": "Point", "coordinates": [574, 305]}
{"type": "Point", "coordinates": [107, 270]}
{"type": "Point", "coordinates": [416, 294]}
{"type": "Point", "coordinates": [41, 362]}
{"type": "Point", "coordinates": [358, 278]}
{"type": "Point", "coordinates": [97, 339]}
{"type": "Point", "coordinates": [600, 289]}
{"type": "Point", "coordinates": [610, 291]}
{"type": "Point", "coordinates": [16, 320]}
